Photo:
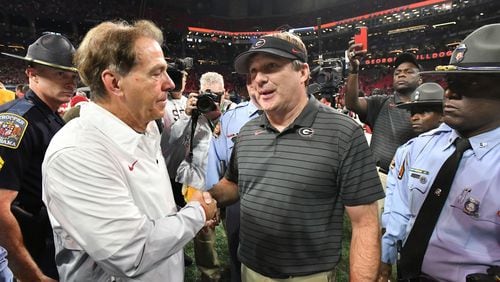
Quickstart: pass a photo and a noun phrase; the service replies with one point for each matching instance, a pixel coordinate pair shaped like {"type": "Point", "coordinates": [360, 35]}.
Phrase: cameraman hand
{"type": "Point", "coordinates": [354, 54]}
{"type": "Point", "coordinates": [191, 103]}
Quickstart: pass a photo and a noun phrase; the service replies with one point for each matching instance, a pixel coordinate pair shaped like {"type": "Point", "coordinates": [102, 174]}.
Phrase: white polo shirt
{"type": "Point", "coordinates": [110, 203]}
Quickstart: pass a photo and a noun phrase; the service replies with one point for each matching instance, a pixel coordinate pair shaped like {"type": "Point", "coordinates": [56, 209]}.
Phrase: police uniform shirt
{"type": "Point", "coordinates": [26, 127]}
{"type": "Point", "coordinates": [465, 239]}
{"type": "Point", "coordinates": [221, 147]}
{"type": "Point", "coordinates": [395, 175]}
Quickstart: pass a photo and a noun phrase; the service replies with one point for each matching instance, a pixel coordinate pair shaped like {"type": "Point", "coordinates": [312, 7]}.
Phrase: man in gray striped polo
{"type": "Point", "coordinates": [295, 169]}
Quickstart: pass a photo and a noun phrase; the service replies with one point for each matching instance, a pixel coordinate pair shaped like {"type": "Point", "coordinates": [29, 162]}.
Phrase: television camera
{"type": "Point", "coordinates": [327, 77]}
{"type": "Point", "coordinates": [175, 70]}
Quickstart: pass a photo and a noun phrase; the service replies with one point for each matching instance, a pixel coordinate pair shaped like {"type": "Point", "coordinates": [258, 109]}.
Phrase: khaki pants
{"type": "Point", "coordinates": [205, 254]}
{"type": "Point", "coordinates": [248, 275]}
{"type": "Point", "coordinates": [383, 179]}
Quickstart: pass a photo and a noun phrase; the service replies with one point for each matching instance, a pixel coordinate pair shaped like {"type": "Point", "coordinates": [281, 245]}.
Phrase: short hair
{"type": "Point", "coordinates": [110, 45]}
{"type": "Point", "coordinates": [210, 78]}
{"type": "Point", "coordinates": [20, 87]}
{"type": "Point", "coordinates": [295, 41]}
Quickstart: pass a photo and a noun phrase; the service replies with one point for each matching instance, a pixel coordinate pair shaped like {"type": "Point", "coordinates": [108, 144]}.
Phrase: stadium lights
{"type": "Point", "coordinates": [406, 29]}
{"type": "Point", "coordinates": [443, 24]}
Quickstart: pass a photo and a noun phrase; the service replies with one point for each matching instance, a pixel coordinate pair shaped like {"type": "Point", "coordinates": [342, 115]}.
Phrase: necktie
{"type": "Point", "coordinates": [414, 249]}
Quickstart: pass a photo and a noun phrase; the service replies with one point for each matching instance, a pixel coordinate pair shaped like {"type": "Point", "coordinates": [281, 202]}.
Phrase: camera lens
{"type": "Point", "coordinates": [206, 104]}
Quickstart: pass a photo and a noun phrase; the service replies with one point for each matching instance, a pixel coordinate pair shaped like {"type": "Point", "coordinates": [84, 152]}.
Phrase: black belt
{"type": "Point", "coordinates": [383, 170]}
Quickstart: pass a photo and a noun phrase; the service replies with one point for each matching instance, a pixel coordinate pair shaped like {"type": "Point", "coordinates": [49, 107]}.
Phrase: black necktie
{"type": "Point", "coordinates": [414, 249]}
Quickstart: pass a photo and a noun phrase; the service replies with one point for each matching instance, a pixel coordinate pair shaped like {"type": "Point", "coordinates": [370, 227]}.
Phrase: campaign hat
{"type": "Point", "coordinates": [53, 50]}
{"type": "Point", "coordinates": [479, 52]}
{"type": "Point", "coordinates": [427, 94]}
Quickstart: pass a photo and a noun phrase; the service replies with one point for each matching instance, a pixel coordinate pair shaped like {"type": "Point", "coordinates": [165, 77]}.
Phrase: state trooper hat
{"type": "Point", "coordinates": [479, 52]}
{"type": "Point", "coordinates": [427, 94]}
{"type": "Point", "coordinates": [271, 45]}
{"type": "Point", "coordinates": [53, 50]}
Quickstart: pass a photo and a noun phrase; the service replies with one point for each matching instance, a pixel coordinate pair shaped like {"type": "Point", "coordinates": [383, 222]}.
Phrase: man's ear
{"type": "Point", "coordinates": [111, 81]}
{"type": "Point", "coordinates": [31, 72]}
{"type": "Point", "coordinates": [305, 73]}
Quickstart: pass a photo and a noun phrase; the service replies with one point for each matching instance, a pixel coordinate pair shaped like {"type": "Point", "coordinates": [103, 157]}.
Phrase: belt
{"type": "Point", "coordinates": [383, 170]}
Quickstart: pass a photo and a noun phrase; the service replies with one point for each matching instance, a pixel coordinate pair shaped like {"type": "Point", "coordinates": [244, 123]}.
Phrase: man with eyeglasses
{"type": "Point", "coordinates": [390, 125]}
{"type": "Point", "coordinates": [203, 111]}
{"type": "Point", "coordinates": [456, 239]}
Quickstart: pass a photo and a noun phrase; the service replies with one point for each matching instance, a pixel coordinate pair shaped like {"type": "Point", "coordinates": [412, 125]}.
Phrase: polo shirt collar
{"type": "Point", "coordinates": [116, 130]}
{"type": "Point", "coordinates": [305, 119]}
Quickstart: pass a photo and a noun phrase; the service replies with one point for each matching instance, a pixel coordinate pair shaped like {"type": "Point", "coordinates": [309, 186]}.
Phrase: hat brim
{"type": "Point", "coordinates": [241, 61]}
{"type": "Point", "coordinates": [410, 105]}
{"type": "Point", "coordinates": [73, 69]}
{"type": "Point", "coordinates": [451, 69]}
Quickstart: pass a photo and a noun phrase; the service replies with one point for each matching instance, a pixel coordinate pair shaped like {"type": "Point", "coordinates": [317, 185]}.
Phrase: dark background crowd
{"type": "Point", "coordinates": [435, 27]}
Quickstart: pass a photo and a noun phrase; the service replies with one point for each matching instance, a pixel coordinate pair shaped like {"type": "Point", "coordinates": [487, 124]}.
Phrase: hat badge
{"type": "Point", "coordinates": [460, 51]}
{"type": "Point", "coordinates": [417, 96]}
{"type": "Point", "coordinates": [261, 42]}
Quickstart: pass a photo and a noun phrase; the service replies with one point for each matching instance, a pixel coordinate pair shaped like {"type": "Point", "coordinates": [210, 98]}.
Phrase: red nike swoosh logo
{"type": "Point", "coordinates": [131, 167]}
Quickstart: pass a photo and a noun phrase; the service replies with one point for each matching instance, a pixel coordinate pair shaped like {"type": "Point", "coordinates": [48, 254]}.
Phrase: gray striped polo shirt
{"type": "Point", "coordinates": [391, 127]}
{"type": "Point", "coordinates": [293, 188]}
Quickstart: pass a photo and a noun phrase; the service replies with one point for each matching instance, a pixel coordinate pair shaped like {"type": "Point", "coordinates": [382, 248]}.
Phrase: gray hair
{"type": "Point", "coordinates": [210, 78]}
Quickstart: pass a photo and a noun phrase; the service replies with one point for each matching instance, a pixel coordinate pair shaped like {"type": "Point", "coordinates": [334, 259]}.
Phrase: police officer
{"type": "Point", "coordinates": [464, 238]}
{"type": "Point", "coordinates": [426, 109]}
{"type": "Point", "coordinates": [219, 154]}
{"type": "Point", "coordinates": [26, 127]}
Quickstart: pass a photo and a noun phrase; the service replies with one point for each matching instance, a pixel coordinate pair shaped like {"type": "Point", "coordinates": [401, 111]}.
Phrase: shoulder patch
{"type": "Point", "coordinates": [12, 128]}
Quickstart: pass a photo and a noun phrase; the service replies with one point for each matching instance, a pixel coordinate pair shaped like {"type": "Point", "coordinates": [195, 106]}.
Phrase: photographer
{"type": "Point", "coordinates": [203, 111]}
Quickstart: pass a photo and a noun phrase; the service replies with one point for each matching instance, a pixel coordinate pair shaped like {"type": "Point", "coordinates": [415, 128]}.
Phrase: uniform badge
{"type": "Point", "coordinates": [471, 207]}
{"type": "Point", "coordinates": [401, 171]}
{"type": "Point", "coordinates": [12, 128]}
{"type": "Point", "coordinates": [1, 163]}
{"type": "Point", "coordinates": [393, 164]}
{"type": "Point", "coordinates": [460, 52]}
{"type": "Point", "coordinates": [306, 132]}
{"type": "Point", "coordinates": [423, 179]}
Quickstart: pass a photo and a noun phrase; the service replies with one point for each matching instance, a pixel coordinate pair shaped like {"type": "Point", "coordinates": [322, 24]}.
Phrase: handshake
{"type": "Point", "coordinates": [208, 203]}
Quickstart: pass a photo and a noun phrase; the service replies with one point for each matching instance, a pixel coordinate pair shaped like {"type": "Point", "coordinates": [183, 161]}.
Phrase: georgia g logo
{"type": "Point", "coordinates": [306, 132]}
{"type": "Point", "coordinates": [261, 42]}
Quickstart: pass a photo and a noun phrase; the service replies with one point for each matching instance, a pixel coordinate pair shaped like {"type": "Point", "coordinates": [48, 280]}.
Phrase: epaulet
{"type": "Point", "coordinates": [241, 105]}
{"type": "Point", "coordinates": [13, 125]}
{"type": "Point", "coordinates": [436, 131]}
{"type": "Point", "coordinates": [20, 107]}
